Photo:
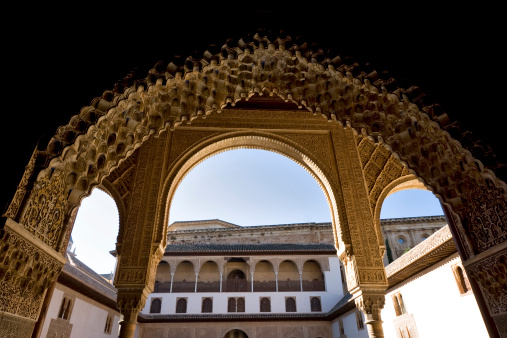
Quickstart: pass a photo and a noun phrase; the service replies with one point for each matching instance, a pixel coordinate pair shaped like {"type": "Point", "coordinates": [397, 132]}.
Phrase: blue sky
{"type": "Point", "coordinates": [246, 187]}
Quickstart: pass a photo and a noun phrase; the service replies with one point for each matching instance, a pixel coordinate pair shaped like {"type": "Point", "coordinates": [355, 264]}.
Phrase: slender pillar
{"type": "Point", "coordinates": [172, 278]}
{"type": "Point", "coordinates": [371, 304]}
{"type": "Point", "coordinates": [220, 282]}
{"type": "Point", "coordinates": [130, 302]}
{"type": "Point", "coordinates": [251, 276]}
{"type": "Point", "coordinates": [196, 276]}
{"type": "Point", "coordinates": [301, 281]}
{"type": "Point", "coordinates": [276, 280]}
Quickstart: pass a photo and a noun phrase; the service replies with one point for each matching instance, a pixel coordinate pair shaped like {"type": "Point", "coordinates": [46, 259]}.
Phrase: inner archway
{"type": "Point", "coordinates": [236, 333]}
{"type": "Point", "coordinates": [249, 187]}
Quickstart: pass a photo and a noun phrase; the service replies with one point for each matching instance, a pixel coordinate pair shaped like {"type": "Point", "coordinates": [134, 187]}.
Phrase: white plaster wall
{"type": "Point", "coordinates": [87, 319]}
{"type": "Point", "coordinates": [53, 308]}
{"type": "Point", "coordinates": [433, 297]}
{"type": "Point", "coordinates": [328, 298]}
{"type": "Point", "coordinates": [349, 325]}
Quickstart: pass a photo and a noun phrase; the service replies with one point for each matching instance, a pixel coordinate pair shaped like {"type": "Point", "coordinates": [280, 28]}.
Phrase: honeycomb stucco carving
{"type": "Point", "coordinates": [119, 123]}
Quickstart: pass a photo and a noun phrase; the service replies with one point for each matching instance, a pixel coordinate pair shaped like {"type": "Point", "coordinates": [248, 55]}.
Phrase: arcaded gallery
{"type": "Point", "coordinates": [357, 133]}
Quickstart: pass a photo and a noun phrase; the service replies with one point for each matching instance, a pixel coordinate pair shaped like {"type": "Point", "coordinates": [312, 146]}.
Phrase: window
{"type": "Point", "coordinates": [401, 240]}
{"type": "Point", "coordinates": [265, 305]}
{"type": "Point", "coordinates": [342, 274]}
{"type": "Point", "coordinates": [342, 329]}
{"type": "Point", "coordinates": [290, 304]}
{"type": "Point", "coordinates": [109, 324]}
{"type": "Point", "coordinates": [181, 305]}
{"type": "Point", "coordinates": [236, 305]}
{"type": "Point", "coordinates": [65, 308]}
{"type": "Point", "coordinates": [207, 305]}
{"type": "Point", "coordinates": [461, 279]}
{"type": "Point", "coordinates": [240, 305]}
{"type": "Point", "coordinates": [315, 304]}
{"type": "Point", "coordinates": [399, 306]}
{"type": "Point", "coordinates": [156, 305]}
{"type": "Point", "coordinates": [359, 320]}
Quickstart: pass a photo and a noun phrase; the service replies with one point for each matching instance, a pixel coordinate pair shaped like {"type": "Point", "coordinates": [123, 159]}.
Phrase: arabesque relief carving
{"type": "Point", "coordinates": [395, 136]}
{"type": "Point", "coordinates": [25, 274]}
{"type": "Point", "coordinates": [46, 209]}
{"type": "Point", "coordinates": [22, 188]}
{"type": "Point", "coordinates": [491, 275]}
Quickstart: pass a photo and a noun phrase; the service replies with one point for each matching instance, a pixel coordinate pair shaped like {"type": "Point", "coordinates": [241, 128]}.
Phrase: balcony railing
{"type": "Point", "coordinates": [289, 285]}
{"type": "Point", "coordinates": [315, 285]}
{"type": "Point", "coordinates": [236, 285]}
{"type": "Point", "coordinates": [240, 285]}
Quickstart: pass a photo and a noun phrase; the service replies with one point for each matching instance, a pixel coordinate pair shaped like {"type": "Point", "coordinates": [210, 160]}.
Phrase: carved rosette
{"type": "Point", "coordinates": [45, 213]}
{"type": "Point", "coordinates": [25, 274]}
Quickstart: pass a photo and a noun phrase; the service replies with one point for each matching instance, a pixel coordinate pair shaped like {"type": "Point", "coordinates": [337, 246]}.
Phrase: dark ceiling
{"type": "Point", "coordinates": [56, 60]}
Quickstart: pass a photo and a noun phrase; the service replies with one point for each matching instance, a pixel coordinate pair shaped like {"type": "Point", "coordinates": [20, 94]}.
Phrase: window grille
{"type": "Point", "coordinates": [181, 305]}
{"type": "Point", "coordinates": [359, 320]}
{"type": "Point", "coordinates": [315, 304]}
{"type": "Point", "coordinates": [156, 305]}
{"type": "Point", "coordinates": [207, 305]}
{"type": "Point", "coordinates": [290, 304]}
{"type": "Point", "coordinates": [265, 305]}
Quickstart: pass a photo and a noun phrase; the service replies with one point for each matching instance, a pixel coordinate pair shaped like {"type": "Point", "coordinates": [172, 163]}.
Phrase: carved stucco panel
{"type": "Point", "coordinates": [184, 139]}
{"type": "Point", "coordinates": [318, 146]}
{"type": "Point", "coordinates": [25, 274]}
{"type": "Point", "coordinates": [21, 190]}
{"type": "Point", "coordinates": [179, 333]}
{"type": "Point", "coordinates": [207, 332]}
{"type": "Point", "coordinates": [359, 217]}
{"type": "Point", "coordinates": [46, 209]}
{"type": "Point", "coordinates": [491, 275]}
{"type": "Point", "coordinates": [292, 332]}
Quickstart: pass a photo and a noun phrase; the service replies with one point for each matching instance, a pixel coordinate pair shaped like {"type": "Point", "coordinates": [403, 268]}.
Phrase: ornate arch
{"type": "Point", "coordinates": [252, 140]}
{"type": "Point", "coordinates": [107, 132]}
{"type": "Point", "coordinates": [264, 71]}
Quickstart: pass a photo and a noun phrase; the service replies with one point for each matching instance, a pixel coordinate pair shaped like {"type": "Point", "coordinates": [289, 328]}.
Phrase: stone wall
{"type": "Point", "coordinates": [285, 233]}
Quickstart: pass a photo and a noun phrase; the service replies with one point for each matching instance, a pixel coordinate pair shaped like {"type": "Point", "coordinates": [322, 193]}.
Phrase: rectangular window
{"type": "Point", "coordinates": [290, 304]}
{"type": "Point", "coordinates": [181, 305]}
{"type": "Point", "coordinates": [340, 325]}
{"type": "Point", "coordinates": [236, 304]}
{"type": "Point", "coordinates": [399, 305]}
{"type": "Point", "coordinates": [315, 304]}
{"type": "Point", "coordinates": [265, 304]}
{"type": "Point", "coordinates": [66, 307]}
{"type": "Point", "coordinates": [156, 305]}
{"type": "Point", "coordinates": [207, 305]}
{"type": "Point", "coordinates": [109, 324]}
{"type": "Point", "coordinates": [461, 279]}
{"type": "Point", "coordinates": [359, 320]}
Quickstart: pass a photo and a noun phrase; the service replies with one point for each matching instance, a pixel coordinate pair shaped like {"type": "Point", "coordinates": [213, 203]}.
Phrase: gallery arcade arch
{"type": "Point", "coordinates": [344, 126]}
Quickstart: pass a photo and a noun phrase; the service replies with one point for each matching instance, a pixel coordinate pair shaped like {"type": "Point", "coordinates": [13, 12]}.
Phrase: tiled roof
{"type": "Point", "coordinates": [77, 276]}
{"type": "Point", "coordinates": [433, 249]}
{"type": "Point", "coordinates": [194, 249]}
{"type": "Point", "coordinates": [345, 304]}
